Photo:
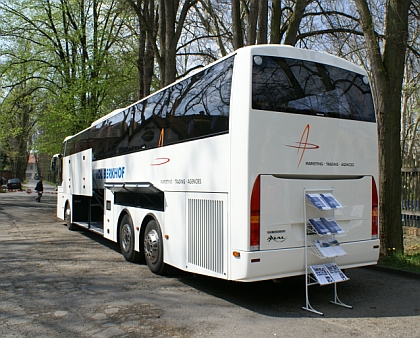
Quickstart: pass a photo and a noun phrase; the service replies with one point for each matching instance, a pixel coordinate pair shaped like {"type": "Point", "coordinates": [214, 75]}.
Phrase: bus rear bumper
{"type": "Point", "coordinates": [273, 264]}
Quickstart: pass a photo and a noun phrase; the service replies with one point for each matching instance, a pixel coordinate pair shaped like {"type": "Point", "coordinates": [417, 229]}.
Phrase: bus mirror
{"type": "Point", "coordinates": [53, 162]}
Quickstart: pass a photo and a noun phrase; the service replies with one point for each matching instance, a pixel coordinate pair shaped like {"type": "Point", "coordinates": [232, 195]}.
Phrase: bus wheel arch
{"type": "Point", "coordinates": [126, 237]}
{"type": "Point", "coordinates": [67, 216]}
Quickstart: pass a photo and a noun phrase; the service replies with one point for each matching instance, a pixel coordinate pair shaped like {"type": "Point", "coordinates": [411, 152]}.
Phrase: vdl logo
{"type": "Point", "coordinates": [303, 144]}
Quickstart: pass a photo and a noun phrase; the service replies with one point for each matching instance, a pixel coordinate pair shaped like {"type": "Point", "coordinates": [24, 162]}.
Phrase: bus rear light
{"type": "Point", "coordinates": [375, 225]}
{"type": "Point", "coordinates": [255, 216]}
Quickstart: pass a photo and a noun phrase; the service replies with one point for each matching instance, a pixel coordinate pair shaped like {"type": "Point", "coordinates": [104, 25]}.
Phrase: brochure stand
{"type": "Point", "coordinates": [318, 211]}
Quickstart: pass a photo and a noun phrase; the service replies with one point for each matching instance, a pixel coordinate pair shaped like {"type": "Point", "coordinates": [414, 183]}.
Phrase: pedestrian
{"type": "Point", "coordinates": [40, 189]}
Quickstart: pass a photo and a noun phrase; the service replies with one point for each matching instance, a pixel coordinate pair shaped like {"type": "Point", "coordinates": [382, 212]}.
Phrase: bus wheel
{"type": "Point", "coordinates": [153, 248]}
{"type": "Point", "coordinates": [127, 239]}
{"type": "Point", "coordinates": [67, 218]}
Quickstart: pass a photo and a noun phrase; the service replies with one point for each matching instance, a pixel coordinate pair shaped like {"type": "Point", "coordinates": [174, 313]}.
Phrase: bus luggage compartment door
{"type": "Point", "coordinates": [282, 223]}
{"type": "Point", "coordinates": [78, 180]}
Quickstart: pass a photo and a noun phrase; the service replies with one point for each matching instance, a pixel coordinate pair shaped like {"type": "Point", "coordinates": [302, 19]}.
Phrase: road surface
{"type": "Point", "coordinates": [60, 283]}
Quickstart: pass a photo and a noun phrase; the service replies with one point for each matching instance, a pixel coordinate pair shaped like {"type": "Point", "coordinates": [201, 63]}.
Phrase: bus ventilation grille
{"type": "Point", "coordinates": [205, 234]}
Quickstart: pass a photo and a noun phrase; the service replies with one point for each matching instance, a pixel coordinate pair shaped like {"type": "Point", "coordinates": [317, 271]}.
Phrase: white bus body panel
{"type": "Point", "coordinates": [77, 179]}
{"type": "Point", "coordinates": [274, 264]}
{"type": "Point", "coordinates": [292, 153]}
{"type": "Point", "coordinates": [283, 202]}
{"type": "Point", "coordinates": [175, 227]}
{"type": "Point", "coordinates": [110, 230]}
{"type": "Point", "coordinates": [60, 201]}
{"type": "Point", "coordinates": [201, 165]}
{"type": "Point", "coordinates": [192, 172]}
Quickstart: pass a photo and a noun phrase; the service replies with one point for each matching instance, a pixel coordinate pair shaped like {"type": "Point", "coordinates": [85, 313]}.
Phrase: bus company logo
{"type": "Point", "coordinates": [110, 173]}
{"type": "Point", "coordinates": [277, 239]}
{"type": "Point", "coordinates": [160, 161]}
{"type": "Point", "coordinates": [303, 144]}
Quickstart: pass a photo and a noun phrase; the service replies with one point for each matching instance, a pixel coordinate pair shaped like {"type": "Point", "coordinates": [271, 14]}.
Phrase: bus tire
{"type": "Point", "coordinates": [153, 248]}
{"type": "Point", "coordinates": [127, 240]}
{"type": "Point", "coordinates": [67, 218]}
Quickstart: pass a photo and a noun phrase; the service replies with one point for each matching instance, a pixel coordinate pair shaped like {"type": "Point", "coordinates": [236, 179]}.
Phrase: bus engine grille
{"type": "Point", "coordinates": [205, 234]}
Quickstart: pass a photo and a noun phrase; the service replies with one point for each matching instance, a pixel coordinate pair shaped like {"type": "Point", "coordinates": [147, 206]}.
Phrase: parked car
{"type": "Point", "coordinates": [14, 183]}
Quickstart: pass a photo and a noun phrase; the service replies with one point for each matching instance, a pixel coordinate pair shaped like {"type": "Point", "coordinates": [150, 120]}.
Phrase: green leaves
{"type": "Point", "coordinates": [60, 64]}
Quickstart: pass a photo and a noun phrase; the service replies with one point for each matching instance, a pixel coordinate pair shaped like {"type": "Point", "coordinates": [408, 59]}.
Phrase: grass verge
{"type": "Point", "coordinates": [409, 261]}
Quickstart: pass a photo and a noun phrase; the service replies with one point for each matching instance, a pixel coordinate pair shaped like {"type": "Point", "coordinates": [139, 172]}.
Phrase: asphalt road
{"type": "Point", "coordinates": [60, 283]}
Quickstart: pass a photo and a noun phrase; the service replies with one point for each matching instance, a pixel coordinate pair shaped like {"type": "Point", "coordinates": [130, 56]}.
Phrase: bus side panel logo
{"type": "Point", "coordinates": [277, 239]}
{"type": "Point", "coordinates": [160, 161]}
{"type": "Point", "coordinates": [303, 144]}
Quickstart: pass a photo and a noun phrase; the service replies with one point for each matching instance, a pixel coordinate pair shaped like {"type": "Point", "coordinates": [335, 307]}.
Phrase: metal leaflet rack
{"type": "Point", "coordinates": [309, 278]}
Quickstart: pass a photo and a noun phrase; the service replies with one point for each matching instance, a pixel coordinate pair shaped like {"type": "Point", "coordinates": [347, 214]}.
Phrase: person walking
{"type": "Point", "coordinates": [40, 189]}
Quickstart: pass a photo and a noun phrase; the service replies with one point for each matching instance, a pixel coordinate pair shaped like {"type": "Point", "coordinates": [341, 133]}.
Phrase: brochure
{"type": "Point", "coordinates": [331, 201]}
{"type": "Point", "coordinates": [329, 248]}
{"type": "Point", "coordinates": [335, 272]}
{"type": "Point", "coordinates": [321, 274]}
{"type": "Point", "coordinates": [332, 225]}
{"type": "Point", "coordinates": [324, 248]}
{"type": "Point", "coordinates": [328, 273]}
{"type": "Point", "coordinates": [319, 226]}
{"type": "Point", "coordinates": [318, 201]}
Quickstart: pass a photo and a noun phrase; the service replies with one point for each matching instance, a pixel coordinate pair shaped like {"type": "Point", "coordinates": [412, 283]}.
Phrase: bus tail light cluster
{"type": "Point", "coordinates": [255, 216]}
{"type": "Point", "coordinates": [374, 210]}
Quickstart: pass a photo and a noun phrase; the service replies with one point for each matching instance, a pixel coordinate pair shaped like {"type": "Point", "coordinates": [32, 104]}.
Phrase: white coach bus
{"type": "Point", "coordinates": [209, 174]}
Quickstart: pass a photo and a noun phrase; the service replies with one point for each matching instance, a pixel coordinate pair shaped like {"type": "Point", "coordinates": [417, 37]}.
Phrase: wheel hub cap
{"type": "Point", "coordinates": [126, 237]}
{"type": "Point", "coordinates": [151, 246]}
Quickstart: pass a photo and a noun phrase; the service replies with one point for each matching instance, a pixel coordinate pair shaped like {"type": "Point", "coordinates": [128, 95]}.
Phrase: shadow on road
{"type": "Point", "coordinates": [372, 293]}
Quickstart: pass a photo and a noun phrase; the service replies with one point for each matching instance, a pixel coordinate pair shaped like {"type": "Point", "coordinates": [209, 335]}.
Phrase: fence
{"type": "Point", "coordinates": [410, 206]}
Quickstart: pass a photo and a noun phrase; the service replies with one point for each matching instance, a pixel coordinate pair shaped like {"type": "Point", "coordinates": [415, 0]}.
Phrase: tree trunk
{"type": "Point", "coordinates": [388, 73]}
{"type": "Point", "coordinates": [238, 39]}
{"type": "Point", "coordinates": [262, 22]}
{"type": "Point", "coordinates": [140, 61]}
{"type": "Point", "coordinates": [251, 27]}
{"type": "Point", "coordinates": [174, 26]}
{"type": "Point", "coordinates": [295, 20]}
{"type": "Point", "coordinates": [275, 22]}
{"type": "Point", "coordinates": [147, 48]}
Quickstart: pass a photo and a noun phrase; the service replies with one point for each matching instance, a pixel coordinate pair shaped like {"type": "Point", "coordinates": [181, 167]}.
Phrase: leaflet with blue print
{"type": "Point", "coordinates": [331, 201]}
{"type": "Point", "coordinates": [331, 224]}
{"type": "Point", "coordinates": [325, 201]}
{"type": "Point", "coordinates": [318, 201]}
{"type": "Point", "coordinates": [319, 226]}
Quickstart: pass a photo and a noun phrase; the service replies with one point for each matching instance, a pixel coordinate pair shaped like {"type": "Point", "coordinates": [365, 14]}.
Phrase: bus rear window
{"type": "Point", "coordinates": [305, 87]}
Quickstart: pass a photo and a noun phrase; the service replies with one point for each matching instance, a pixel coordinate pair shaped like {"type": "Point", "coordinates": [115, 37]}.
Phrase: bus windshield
{"type": "Point", "coordinates": [304, 87]}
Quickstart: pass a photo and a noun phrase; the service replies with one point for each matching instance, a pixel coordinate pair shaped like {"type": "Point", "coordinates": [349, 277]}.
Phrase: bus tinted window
{"type": "Point", "coordinates": [304, 87]}
{"type": "Point", "coordinates": [195, 107]}
{"type": "Point", "coordinates": [192, 108]}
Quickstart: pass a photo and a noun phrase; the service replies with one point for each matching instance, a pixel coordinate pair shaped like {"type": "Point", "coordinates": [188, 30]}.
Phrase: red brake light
{"type": "Point", "coordinates": [255, 216]}
{"type": "Point", "coordinates": [374, 210]}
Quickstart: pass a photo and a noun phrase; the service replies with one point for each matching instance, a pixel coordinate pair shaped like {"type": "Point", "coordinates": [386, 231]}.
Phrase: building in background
{"type": "Point", "coordinates": [32, 168]}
